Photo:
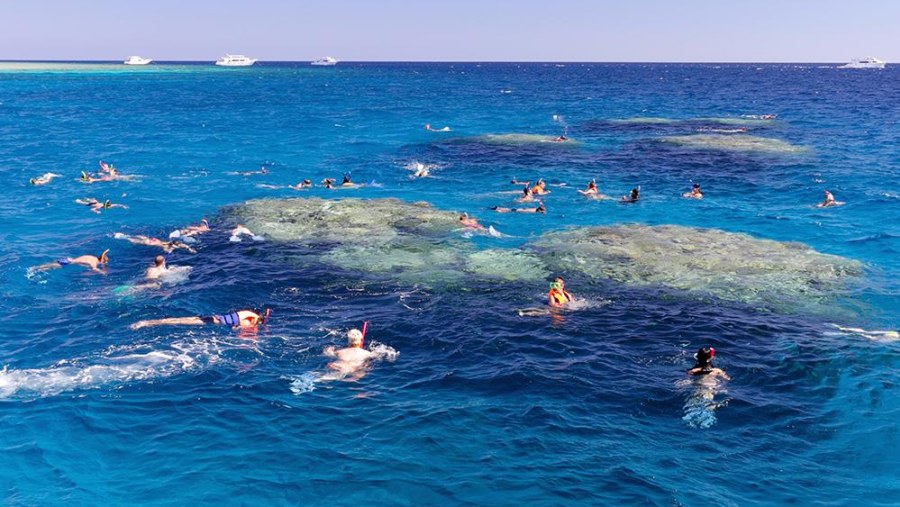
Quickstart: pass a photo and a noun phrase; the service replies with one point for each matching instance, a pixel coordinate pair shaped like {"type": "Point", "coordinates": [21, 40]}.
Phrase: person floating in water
{"type": "Point", "coordinates": [351, 361]}
{"type": "Point", "coordinates": [632, 197]}
{"type": "Point", "coordinates": [592, 191]}
{"type": "Point", "coordinates": [97, 206]}
{"type": "Point", "coordinates": [829, 201]}
{"type": "Point", "coordinates": [240, 318]}
{"type": "Point", "coordinates": [527, 194]}
{"type": "Point", "coordinates": [192, 230]}
{"type": "Point", "coordinates": [303, 184]}
{"type": "Point", "coordinates": [262, 170]}
{"type": "Point", "coordinates": [241, 230]}
{"type": "Point", "coordinates": [540, 188]}
{"type": "Point", "coordinates": [88, 261]}
{"type": "Point", "coordinates": [558, 296]}
{"type": "Point", "coordinates": [540, 209]}
{"type": "Point", "coordinates": [872, 334]}
{"type": "Point", "coordinates": [43, 179]}
{"type": "Point", "coordinates": [469, 223]}
{"type": "Point", "coordinates": [429, 128]}
{"type": "Point", "coordinates": [695, 192]}
{"type": "Point", "coordinates": [167, 246]}
{"type": "Point", "coordinates": [328, 183]}
{"type": "Point", "coordinates": [346, 181]}
{"type": "Point", "coordinates": [157, 269]}
{"type": "Point", "coordinates": [519, 182]}
{"type": "Point", "coordinates": [704, 366]}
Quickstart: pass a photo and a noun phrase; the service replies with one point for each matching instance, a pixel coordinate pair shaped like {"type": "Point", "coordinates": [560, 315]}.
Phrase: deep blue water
{"type": "Point", "coordinates": [481, 406]}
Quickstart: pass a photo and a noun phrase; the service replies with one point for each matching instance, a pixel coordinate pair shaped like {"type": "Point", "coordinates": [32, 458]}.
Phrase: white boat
{"type": "Point", "coordinates": [869, 62]}
{"type": "Point", "coordinates": [325, 62]}
{"type": "Point", "coordinates": [235, 61]}
{"type": "Point", "coordinates": [136, 60]}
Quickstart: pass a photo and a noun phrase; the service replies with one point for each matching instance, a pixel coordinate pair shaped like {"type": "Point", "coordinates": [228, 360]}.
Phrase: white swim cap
{"type": "Point", "coordinates": [354, 336]}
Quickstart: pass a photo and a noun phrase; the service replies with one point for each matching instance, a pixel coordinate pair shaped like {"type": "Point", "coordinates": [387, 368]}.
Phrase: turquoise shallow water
{"type": "Point", "coordinates": [481, 406]}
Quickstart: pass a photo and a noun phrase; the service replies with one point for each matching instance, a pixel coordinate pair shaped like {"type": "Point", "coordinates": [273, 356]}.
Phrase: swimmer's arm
{"type": "Point", "coordinates": [329, 351]}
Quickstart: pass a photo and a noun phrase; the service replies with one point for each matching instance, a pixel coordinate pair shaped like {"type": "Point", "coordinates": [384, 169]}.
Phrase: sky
{"type": "Point", "coordinates": [453, 30]}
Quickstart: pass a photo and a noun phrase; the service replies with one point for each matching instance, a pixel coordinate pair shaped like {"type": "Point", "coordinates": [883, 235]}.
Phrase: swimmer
{"type": "Point", "coordinates": [632, 197]}
{"type": "Point", "coordinates": [240, 318]}
{"type": "Point", "coordinates": [527, 195]}
{"type": "Point", "coordinates": [193, 230]}
{"type": "Point", "coordinates": [107, 168]}
{"type": "Point", "coordinates": [469, 223]}
{"type": "Point", "coordinates": [262, 170]}
{"type": "Point", "coordinates": [558, 295]}
{"type": "Point", "coordinates": [592, 191]}
{"type": "Point", "coordinates": [328, 183]}
{"type": "Point", "coordinates": [561, 139]}
{"type": "Point", "coordinates": [167, 246]}
{"type": "Point", "coordinates": [346, 181]}
{"type": "Point", "coordinates": [352, 360]}
{"type": "Point", "coordinates": [540, 188]}
{"type": "Point", "coordinates": [539, 209]}
{"type": "Point", "coordinates": [422, 170]}
{"type": "Point", "coordinates": [97, 206]}
{"type": "Point", "coordinates": [517, 182]}
{"type": "Point", "coordinates": [303, 184]}
{"type": "Point", "coordinates": [829, 201]}
{"type": "Point", "coordinates": [88, 261]}
{"type": "Point", "coordinates": [695, 192]}
{"type": "Point", "coordinates": [429, 128]}
{"type": "Point", "coordinates": [241, 230]}
{"type": "Point", "coordinates": [872, 335]}
{"type": "Point", "coordinates": [43, 179]}
{"type": "Point", "coordinates": [704, 364]}
{"type": "Point", "coordinates": [157, 269]}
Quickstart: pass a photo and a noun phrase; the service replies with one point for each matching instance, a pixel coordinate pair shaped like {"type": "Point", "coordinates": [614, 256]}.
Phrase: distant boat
{"type": "Point", "coordinates": [325, 62]}
{"type": "Point", "coordinates": [136, 60]}
{"type": "Point", "coordinates": [869, 62]}
{"type": "Point", "coordinates": [235, 61]}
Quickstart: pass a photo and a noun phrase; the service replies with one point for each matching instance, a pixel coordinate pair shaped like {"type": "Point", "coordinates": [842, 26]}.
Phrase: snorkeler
{"type": "Point", "coordinates": [632, 197]}
{"type": "Point", "coordinates": [430, 129]}
{"type": "Point", "coordinates": [241, 230]}
{"type": "Point", "coordinates": [829, 201]}
{"type": "Point", "coordinates": [88, 261]}
{"type": "Point", "coordinates": [167, 246]}
{"type": "Point", "coordinates": [518, 182]}
{"type": "Point", "coordinates": [43, 179]}
{"type": "Point", "coordinates": [592, 191]}
{"type": "Point", "coordinates": [192, 230]}
{"type": "Point", "coordinates": [872, 335]}
{"type": "Point", "coordinates": [704, 364]}
{"type": "Point", "coordinates": [540, 209]}
{"type": "Point", "coordinates": [262, 170]}
{"type": "Point", "coordinates": [351, 360]}
{"type": "Point", "coordinates": [469, 223]}
{"type": "Point", "coordinates": [540, 188]}
{"type": "Point", "coordinates": [558, 295]}
{"type": "Point", "coordinates": [695, 192]}
{"type": "Point", "coordinates": [328, 183]}
{"type": "Point", "coordinates": [240, 318]}
{"type": "Point", "coordinates": [346, 181]}
{"type": "Point", "coordinates": [157, 269]}
{"type": "Point", "coordinates": [97, 206]}
{"type": "Point", "coordinates": [303, 184]}
{"type": "Point", "coordinates": [527, 195]}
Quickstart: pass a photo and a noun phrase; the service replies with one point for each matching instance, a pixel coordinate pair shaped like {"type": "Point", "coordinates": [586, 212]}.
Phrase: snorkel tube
{"type": "Point", "coordinates": [365, 327]}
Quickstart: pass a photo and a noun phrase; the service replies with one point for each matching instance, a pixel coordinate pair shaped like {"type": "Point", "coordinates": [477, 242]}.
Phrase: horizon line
{"type": "Point", "coordinates": [118, 61]}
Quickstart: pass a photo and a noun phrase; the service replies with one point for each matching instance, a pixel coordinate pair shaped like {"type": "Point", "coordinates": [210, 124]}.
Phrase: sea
{"type": "Point", "coordinates": [479, 395]}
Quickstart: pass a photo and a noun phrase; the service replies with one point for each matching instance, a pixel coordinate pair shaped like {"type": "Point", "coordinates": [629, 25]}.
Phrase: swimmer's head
{"type": "Point", "coordinates": [696, 186]}
{"type": "Point", "coordinates": [307, 182]}
{"type": "Point", "coordinates": [160, 260]}
{"type": "Point", "coordinates": [107, 204]}
{"type": "Point", "coordinates": [556, 285]}
{"type": "Point", "coordinates": [204, 222]}
{"type": "Point", "coordinates": [540, 208]}
{"type": "Point", "coordinates": [704, 355]}
{"type": "Point", "coordinates": [104, 257]}
{"type": "Point", "coordinates": [354, 338]}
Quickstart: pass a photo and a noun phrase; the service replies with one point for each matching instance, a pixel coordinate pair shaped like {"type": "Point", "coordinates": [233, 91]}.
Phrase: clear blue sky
{"type": "Point", "coordinates": [455, 30]}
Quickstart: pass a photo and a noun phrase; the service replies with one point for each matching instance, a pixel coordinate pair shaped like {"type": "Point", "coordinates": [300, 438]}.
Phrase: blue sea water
{"type": "Point", "coordinates": [482, 406]}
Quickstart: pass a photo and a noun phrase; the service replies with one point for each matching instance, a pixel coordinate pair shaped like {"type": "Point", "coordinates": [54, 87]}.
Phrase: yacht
{"type": "Point", "coordinates": [869, 62]}
{"type": "Point", "coordinates": [136, 60]}
{"type": "Point", "coordinates": [235, 61]}
{"type": "Point", "coordinates": [325, 62]}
